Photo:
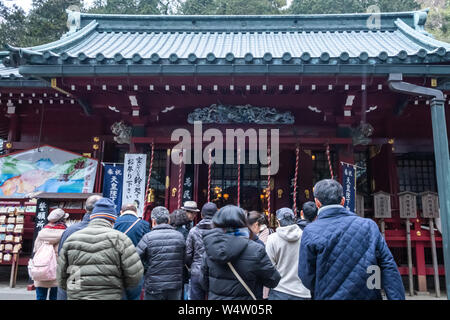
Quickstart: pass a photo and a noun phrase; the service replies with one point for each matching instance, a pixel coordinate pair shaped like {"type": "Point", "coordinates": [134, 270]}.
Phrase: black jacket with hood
{"type": "Point", "coordinates": [248, 258]}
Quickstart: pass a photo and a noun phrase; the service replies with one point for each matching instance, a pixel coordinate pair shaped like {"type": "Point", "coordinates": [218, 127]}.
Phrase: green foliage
{"type": "Point", "coordinates": [438, 21]}
{"type": "Point", "coordinates": [349, 6]}
{"type": "Point", "coordinates": [13, 28]}
{"type": "Point", "coordinates": [232, 7]}
{"type": "Point", "coordinates": [125, 7]}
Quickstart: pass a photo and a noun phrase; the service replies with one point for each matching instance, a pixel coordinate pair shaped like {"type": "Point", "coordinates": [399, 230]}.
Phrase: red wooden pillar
{"type": "Point", "coordinates": [13, 133]}
{"type": "Point", "coordinates": [420, 259]}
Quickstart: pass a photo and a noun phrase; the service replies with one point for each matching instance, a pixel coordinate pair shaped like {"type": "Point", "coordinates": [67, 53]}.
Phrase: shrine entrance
{"type": "Point", "coordinates": [229, 180]}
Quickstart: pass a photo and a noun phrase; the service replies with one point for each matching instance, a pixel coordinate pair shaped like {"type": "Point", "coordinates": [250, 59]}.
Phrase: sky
{"type": "Point", "coordinates": [26, 4]}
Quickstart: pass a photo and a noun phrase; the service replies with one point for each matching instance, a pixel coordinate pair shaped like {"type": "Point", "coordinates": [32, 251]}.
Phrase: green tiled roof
{"type": "Point", "coordinates": [344, 39]}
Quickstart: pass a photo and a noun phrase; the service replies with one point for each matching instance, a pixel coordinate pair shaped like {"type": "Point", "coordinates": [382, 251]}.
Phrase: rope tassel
{"type": "Point", "coordinates": [329, 161]}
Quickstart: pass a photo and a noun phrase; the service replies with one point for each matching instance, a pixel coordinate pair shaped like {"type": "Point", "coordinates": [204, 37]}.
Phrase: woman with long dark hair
{"type": "Point", "coordinates": [235, 267]}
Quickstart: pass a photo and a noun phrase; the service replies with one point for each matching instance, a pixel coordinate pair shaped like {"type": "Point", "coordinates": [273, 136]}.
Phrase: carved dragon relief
{"type": "Point", "coordinates": [218, 113]}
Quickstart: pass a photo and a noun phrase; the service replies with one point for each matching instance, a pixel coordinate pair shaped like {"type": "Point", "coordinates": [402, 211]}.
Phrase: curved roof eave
{"type": "Point", "coordinates": [420, 37]}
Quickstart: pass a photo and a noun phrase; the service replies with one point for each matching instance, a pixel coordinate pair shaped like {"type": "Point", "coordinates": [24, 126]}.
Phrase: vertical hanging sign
{"type": "Point", "coordinates": [134, 181]}
{"type": "Point", "coordinates": [41, 216]}
{"type": "Point", "coordinates": [349, 185]}
{"type": "Point", "coordinates": [113, 183]}
{"type": "Point", "coordinates": [188, 183]}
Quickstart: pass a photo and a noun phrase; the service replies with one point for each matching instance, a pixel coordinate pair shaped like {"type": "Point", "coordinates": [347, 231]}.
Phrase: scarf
{"type": "Point", "coordinates": [56, 225]}
{"type": "Point", "coordinates": [238, 232]}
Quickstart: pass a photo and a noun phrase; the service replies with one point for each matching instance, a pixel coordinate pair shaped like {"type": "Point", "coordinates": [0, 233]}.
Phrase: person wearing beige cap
{"type": "Point", "coordinates": [51, 233]}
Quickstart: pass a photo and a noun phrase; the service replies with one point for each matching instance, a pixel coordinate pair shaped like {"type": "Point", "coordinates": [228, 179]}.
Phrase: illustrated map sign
{"type": "Point", "coordinates": [46, 169]}
{"type": "Point", "coordinates": [134, 182]}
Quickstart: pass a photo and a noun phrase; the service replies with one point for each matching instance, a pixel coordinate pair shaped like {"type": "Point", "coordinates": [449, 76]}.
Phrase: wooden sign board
{"type": "Point", "coordinates": [360, 205]}
{"type": "Point", "coordinates": [382, 205]}
{"type": "Point", "coordinates": [408, 205]}
{"type": "Point", "coordinates": [430, 205]}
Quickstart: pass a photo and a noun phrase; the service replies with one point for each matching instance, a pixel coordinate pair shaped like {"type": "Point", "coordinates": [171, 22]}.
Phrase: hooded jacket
{"type": "Point", "coordinates": [195, 247]}
{"type": "Point", "coordinates": [283, 248]}
{"type": "Point", "coordinates": [248, 258]}
{"type": "Point", "coordinates": [162, 250]}
{"type": "Point", "coordinates": [101, 261]}
{"type": "Point", "coordinates": [338, 251]}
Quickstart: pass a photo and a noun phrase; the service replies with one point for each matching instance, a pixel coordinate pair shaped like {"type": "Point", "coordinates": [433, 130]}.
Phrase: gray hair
{"type": "Point", "coordinates": [285, 217]}
{"type": "Point", "coordinates": [160, 214]}
{"type": "Point", "coordinates": [91, 201]}
{"type": "Point", "coordinates": [328, 192]}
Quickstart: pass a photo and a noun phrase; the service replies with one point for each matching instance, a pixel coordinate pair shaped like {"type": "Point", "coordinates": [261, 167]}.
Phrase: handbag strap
{"type": "Point", "coordinates": [134, 223]}
{"type": "Point", "coordinates": [241, 280]}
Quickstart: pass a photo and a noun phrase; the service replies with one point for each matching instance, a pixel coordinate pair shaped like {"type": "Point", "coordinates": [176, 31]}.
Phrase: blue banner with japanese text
{"type": "Point", "coordinates": [113, 183]}
{"type": "Point", "coordinates": [349, 185]}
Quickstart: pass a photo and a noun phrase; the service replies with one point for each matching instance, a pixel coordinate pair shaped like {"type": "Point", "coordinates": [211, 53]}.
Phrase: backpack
{"type": "Point", "coordinates": [43, 264]}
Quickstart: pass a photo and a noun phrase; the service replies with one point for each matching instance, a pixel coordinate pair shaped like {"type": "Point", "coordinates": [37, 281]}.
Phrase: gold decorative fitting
{"type": "Point", "coordinates": [391, 141]}
{"type": "Point", "coordinates": [280, 193]}
{"type": "Point", "coordinates": [174, 192]}
{"type": "Point", "coordinates": [95, 147]}
{"type": "Point", "coordinates": [419, 233]}
{"type": "Point", "coordinates": [313, 157]}
{"type": "Point", "coordinates": [96, 139]}
{"type": "Point", "coordinates": [306, 193]}
{"type": "Point", "coordinates": [9, 145]}
{"type": "Point", "coordinates": [433, 82]}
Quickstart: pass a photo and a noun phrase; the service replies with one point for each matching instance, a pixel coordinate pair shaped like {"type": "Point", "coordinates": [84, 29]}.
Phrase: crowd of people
{"type": "Point", "coordinates": [325, 253]}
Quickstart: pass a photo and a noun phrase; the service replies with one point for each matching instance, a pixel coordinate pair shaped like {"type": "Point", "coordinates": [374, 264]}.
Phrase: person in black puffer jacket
{"type": "Point", "coordinates": [195, 250]}
{"type": "Point", "coordinates": [229, 242]}
{"type": "Point", "coordinates": [162, 251]}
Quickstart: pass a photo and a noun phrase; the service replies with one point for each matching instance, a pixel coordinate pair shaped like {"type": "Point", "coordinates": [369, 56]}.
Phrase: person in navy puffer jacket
{"type": "Point", "coordinates": [343, 256]}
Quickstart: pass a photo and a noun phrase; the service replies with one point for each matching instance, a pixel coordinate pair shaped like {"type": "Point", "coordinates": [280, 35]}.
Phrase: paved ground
{"type": "Point", "coordinates": [20, 291]}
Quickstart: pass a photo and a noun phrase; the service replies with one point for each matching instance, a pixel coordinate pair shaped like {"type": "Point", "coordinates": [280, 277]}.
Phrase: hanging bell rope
{"type": "Point", "coordinates": [239, 178]}
{"type": "Point", "coordinates": [179, 179]}
{"type": "Point", "coordinates": [297, 156]}
{"type": "Point", "coordinates": [209, 176]}
{"type": "Point", "coordinates": [147, 192]}
{"type": "Point", "coordinates": [329, 161]}
{"type": "Point", "coordinates": [268, 182]}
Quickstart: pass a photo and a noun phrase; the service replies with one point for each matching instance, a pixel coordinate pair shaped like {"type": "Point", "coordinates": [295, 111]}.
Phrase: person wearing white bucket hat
{"type": "Point", "coordinates": [50, 234]}
{"type": "Point", "coordinates": [191, 211]}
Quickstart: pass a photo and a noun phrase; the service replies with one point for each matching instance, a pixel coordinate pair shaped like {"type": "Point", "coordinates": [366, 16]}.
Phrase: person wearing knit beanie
{"type": "Point", "coordinates": [104, 209]}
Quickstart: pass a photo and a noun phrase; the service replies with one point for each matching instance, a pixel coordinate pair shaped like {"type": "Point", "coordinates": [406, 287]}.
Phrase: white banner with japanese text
{"type": "Point", "coordinates": [134, 182]}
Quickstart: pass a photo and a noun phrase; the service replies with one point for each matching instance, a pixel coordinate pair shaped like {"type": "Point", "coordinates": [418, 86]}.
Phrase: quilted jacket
{"type": "Point", "coordinates": [162, 250]}
{"type": "Point", "coordinates": [101, 261]}
{"type": "Point", "coordinates": [248, 258]}
{"type": "Point", "coordinates": [195, 247]}
{"type": "Point", "coordinates": [336, 255]}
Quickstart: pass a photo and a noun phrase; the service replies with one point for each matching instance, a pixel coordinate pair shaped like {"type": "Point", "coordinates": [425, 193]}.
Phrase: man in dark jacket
{"type": "Point", "coordinates": [135, 228]}
{"type": "Point", "coordinates": [228, 246]}
{"type": "Point", "coordinates": [309, 212]}
{"type": "Point", "coordinates": [129, 223]}
{"type": "Point", "coordinates": [162, 251]}
{"type": "Point", "coordinates": [90, 203]}
{"type": "Point", "coordinates": [343, 256]}
{"type": "Point", "coordinates": [195, 249]}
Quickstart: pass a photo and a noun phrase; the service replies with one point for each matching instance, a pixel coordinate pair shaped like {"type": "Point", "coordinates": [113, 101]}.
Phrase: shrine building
{"type": "Point", "coordinates": [330, 84]}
